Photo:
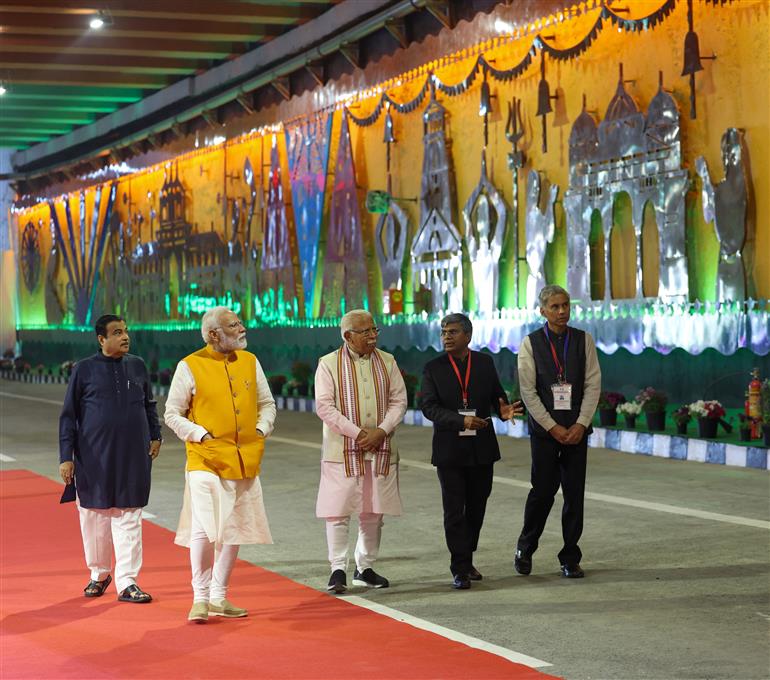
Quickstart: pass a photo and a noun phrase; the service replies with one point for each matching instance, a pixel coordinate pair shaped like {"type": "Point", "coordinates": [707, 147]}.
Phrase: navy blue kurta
{"type": "Point", "coordinates": [106, 425]}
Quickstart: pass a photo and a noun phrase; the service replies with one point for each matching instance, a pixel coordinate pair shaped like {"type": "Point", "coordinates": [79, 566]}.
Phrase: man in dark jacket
{"type": "Point", "coordinates": [459, 391]}
{"type": "Point", "coordinates": [109, 434]}
{"type": "Point", "coordinates": [560, 382]}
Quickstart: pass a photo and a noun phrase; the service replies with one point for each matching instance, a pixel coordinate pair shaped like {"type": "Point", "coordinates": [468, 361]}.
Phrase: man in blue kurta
{"type": "Point", "coordinates": [109, 434]}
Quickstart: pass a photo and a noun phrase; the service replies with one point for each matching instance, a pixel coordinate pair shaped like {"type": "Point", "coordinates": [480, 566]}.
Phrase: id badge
{"type": "Point", "coordinates": [562, 397]}
{"type": "Point", "coordinates": [467, 412]}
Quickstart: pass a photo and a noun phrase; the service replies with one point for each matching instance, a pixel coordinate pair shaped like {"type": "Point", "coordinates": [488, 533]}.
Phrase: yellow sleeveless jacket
{"type": "Point", "coordinates": [225, 403]}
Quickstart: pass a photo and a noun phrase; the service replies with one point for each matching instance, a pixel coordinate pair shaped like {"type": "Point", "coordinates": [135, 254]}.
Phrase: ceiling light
{"type": "Point", "coordinates": [100, 20]}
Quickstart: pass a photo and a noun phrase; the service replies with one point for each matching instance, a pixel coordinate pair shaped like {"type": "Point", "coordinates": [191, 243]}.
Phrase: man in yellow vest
{"type": "Point", "coordinates": [361, 398]}
{"type": "Point", "coordinates": [220, 405]}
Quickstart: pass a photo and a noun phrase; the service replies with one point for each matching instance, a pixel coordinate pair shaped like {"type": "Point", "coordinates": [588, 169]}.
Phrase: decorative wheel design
{"type": "Point", "coordinates": [30, 256]}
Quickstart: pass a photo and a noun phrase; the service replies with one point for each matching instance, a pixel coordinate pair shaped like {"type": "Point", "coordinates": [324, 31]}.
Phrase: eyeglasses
{"type": "Point", "coordinates": [449, 332]}
{"type": "Point", "coordinates": [367, 331]}
{"type": "Point", "coordinates": [231, 326]}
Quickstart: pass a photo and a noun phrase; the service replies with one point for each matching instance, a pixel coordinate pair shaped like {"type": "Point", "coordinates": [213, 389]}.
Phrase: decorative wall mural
{"type": "Point", "coordinates": [514, 132]}
{"type": "Point", "coordinates": [485, 219]}
{"type": "Point", "coordinates": [191, 232]}
{"type": "Point", "coordinates": [277, 289]}
{"type": "Point", "coordinates": [82, 255]}
{"type": "Point", "coordinates": [540, 231]}
{"type": "Point", "coordinates": [641, 156]}
{"type": "Point", "coordinates": [390, 233]}
{"type": "Point", "coordinates": [30, 256]}
{"type": "Point", "coordinates": [437, 246]}
{"type": "Point", "coordinates": [344, 282]}
{"type": "Point", "coordinates": [725, 204]}
{"type": "Point", "coordinates": [308, 150]}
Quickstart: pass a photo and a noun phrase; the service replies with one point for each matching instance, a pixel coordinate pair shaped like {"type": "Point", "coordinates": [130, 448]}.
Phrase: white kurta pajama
{"type": "Point", "coordinates": [218, 515]}
{"type": "Point", "coordinates": [369, 495]}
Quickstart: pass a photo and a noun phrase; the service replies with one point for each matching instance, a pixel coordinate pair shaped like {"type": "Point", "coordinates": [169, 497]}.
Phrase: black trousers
{"type": "Point", "coordinates": [555, 464]}
{"type": "Point", "coordinates": [464, 494]}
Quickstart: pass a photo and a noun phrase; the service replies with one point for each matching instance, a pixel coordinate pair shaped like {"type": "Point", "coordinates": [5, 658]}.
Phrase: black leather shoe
{"type": "Point", "coordinates": [572, 571]}
{"type": "Point", "coordinates": [338, 582]}
{"type": "Point", "coordinates": [474, 574]}
{"type": "Point", "coordinates": [522, 563]}
{"type": "Point", "coordinates": [461, 582]}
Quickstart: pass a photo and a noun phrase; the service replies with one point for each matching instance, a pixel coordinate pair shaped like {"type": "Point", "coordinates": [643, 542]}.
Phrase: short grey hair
{"type": "Point", "coordinates": [347, 321]}
{"type": "Point", "coordinates": [211, 321]}
{"type": "Point", "coordinates": [464, 321]}
{"type": "Point", "coordinates": [549, 291]}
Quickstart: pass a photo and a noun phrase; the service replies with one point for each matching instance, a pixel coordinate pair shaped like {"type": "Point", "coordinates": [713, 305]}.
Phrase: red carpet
{"type": "Point", "coordinates": [49, 630]}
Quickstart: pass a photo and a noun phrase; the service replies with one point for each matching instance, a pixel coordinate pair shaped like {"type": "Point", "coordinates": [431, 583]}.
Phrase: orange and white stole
{"type": "Point", "coordinates": [350, 408]}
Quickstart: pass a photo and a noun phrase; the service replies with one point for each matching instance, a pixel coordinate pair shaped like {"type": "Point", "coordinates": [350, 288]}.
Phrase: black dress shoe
{"type": "Point", "coordinates": [522, 563]}
{"type": "Point", "coordinates": [572, 571]}
{"type": "Point", "coordinates": [474, 574]}
{"type": "Point", "coordinates": [338, 582]}
{"type": "Point", "coordinates": [461, 582]}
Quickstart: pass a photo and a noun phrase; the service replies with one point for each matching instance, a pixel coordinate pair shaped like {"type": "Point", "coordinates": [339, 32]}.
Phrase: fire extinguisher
{"type": "Point", "coordinates": [755, 403]}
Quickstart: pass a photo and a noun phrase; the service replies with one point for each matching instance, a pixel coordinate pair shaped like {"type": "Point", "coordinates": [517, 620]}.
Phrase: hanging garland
{"type": "Point", "coordinates": [538, 44]}
{"type": "Point", "coordinates": [643, 23]}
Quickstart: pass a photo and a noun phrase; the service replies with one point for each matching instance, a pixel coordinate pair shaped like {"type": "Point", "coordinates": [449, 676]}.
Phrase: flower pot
{"type": "Point", "coordinates": [656, 421]}
{"type": "Point", "coordinates": [766, 434]}
{"type": "Point", "coordinates": [707, 428]}
{"type": "Point", "coordinates": [630, 422]}
{"type": "Point", "coordinates": [745, 433]}
{"type": "Point", "coordinates": [608, 417]}
{"type": "Point", "coordinates": [681, 428]}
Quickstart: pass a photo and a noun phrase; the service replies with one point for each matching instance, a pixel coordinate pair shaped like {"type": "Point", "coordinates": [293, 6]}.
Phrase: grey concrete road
{"type": "Point", "coordinates": [677, 554]}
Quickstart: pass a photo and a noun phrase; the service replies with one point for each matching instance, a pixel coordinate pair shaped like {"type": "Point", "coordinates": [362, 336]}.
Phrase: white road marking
{"type": "Point", "coordinates": [448, 633]}
{"type": "Point", "coordinates": [40, 399]}
{"type": "Point", "coordinates": [6, 459]}
{"type": "Point", "coordinates": [604, 498]}
{"type": "Point", "coordinates": [590, 495]}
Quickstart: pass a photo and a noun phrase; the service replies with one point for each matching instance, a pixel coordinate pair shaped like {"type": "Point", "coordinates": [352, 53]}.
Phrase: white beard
{"type": "Point", "coordinates": [227, 345]}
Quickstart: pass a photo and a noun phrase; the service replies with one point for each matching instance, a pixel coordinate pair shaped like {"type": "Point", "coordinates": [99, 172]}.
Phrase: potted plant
{"type": "Point", "coordinates": [300, 373]}
{"type": "Point", "coordinates": [682, 418]}
{"type": "Point", "coordinates": [608, 404]}
{"type": "Point", "coordinates": [708, 413]}
{"type": "Point", "coordinates": [630, 410]}
{"type": "Point", "coordinates": [744, 427]}
{"type": "Point", "coordinates": [653, 404]}
{"type": "Point", "coordinates": [276, 383]}
{"type": "Point", "coordinates": [765, 392]}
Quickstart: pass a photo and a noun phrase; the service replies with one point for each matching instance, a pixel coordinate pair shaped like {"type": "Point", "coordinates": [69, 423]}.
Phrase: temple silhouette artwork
{"type": "Point", "coordinates": [276, 280]}
{"type": "Point", "coordinates": [437, 246]}
{"type": "Point", "coordinates": [485, 218]}
{"type": "Point", "coordinates": [640, 156]}
{"type": "Point", "coordinates": [344, 277]}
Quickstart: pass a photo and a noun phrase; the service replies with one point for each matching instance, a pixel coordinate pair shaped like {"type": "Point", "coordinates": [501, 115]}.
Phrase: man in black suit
{"type": "Point", "coordinates": [459, 391]}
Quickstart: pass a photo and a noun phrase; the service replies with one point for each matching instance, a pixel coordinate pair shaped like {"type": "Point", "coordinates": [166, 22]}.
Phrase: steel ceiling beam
{"type": "Point", "coordinates": [347, 22]}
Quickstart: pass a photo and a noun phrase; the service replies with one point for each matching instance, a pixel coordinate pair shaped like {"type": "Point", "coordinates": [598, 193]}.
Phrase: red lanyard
{"type": "Point", "coordinates": [463, 387]}
{"type": "Point", "coordinates": [561, 369]}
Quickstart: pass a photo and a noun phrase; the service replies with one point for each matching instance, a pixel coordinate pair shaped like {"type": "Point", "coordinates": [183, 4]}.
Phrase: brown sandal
{"type": "Point", "coordinates": [97, 588]}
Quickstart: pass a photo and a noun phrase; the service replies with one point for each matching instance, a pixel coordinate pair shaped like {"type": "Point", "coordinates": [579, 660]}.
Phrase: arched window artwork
{"type": "Point", "coordinates": [650, 252]}
{"type": "Point", "coordinates": [596, 246]}
{"type": "Point", "coordinates": [622, 249]}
